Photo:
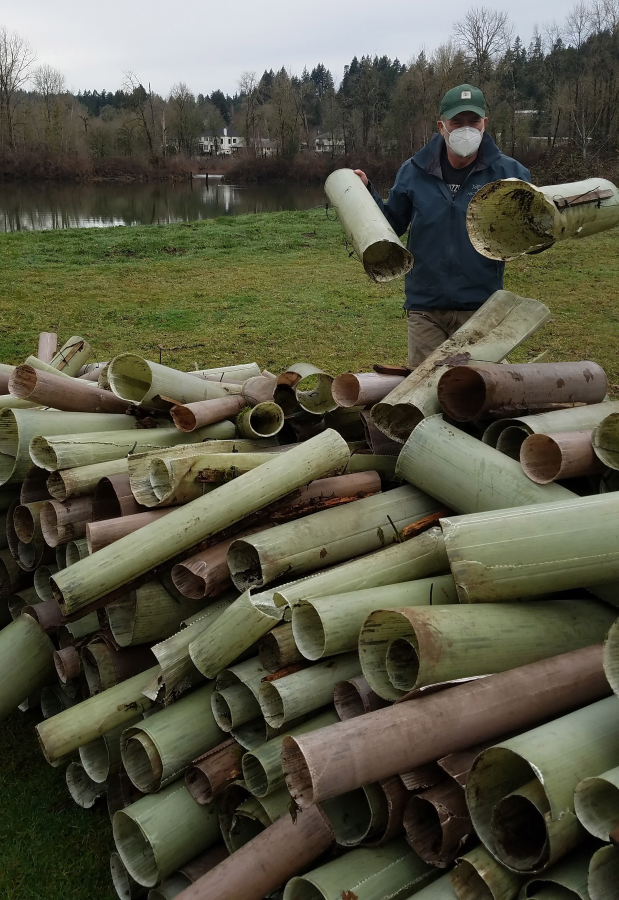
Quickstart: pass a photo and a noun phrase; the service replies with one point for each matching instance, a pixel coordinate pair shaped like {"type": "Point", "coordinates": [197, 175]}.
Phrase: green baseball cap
{"type": "Point", "coordinates": [464, 98]}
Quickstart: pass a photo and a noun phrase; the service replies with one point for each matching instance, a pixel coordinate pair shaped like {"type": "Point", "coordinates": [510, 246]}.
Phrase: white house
{"type": "Point", "coordinates": [329, 142]}
{"type": "Point", "coordinates": [224, 143]}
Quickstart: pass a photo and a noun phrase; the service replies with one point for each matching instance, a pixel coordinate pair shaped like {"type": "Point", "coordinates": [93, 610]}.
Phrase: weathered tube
{"type": "Point", "coordinates": [342, 757]}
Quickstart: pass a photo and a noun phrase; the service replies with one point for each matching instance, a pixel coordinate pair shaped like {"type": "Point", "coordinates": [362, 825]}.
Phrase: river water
{"type": "Point", "coordinates": [41, 206]}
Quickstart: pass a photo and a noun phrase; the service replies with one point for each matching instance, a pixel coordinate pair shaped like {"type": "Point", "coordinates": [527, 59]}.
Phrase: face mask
{"type": "Point", "coordinates": [464, 141]}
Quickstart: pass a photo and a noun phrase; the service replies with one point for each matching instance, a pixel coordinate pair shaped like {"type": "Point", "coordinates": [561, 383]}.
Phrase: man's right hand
{"type": "Point", "coordinates": [362, 176]}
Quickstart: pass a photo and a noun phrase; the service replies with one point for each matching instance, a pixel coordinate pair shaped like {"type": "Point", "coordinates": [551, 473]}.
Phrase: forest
{"type": "Point", "coordinates": [551, 101]}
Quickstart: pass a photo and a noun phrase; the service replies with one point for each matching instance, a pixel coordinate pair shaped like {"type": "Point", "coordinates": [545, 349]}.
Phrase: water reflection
{"type": "Point", "coordinates": [38, 207]}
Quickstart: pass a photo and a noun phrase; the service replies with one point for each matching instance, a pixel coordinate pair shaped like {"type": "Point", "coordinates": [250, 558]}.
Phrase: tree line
{"type": "Point", "coordinates": [557, 94]}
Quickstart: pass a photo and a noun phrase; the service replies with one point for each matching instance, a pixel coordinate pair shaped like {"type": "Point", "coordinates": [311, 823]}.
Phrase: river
{"type": "Point", "coordinates": [42, 206]}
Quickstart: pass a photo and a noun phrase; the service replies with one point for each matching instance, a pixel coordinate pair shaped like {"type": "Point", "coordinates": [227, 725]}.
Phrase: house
{"type": "Point", "coordinates": [329, 142]}
{"type": "Point", "coordinates": [267, 147]}
{"type": "Point", "coordinates": [224, 143]}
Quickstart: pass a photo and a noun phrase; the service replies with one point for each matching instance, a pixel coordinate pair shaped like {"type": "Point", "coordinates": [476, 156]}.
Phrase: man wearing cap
{"type": "Point", "coordinates": [432, 191]}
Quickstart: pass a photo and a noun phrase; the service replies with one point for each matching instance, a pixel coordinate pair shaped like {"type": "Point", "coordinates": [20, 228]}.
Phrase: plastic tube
{"type": "Point", "coordinates": [135, 554]}
{"type": "Point", "coordinates": [337, 759]}
{"type": "Point", "coordinates": [494, 330]}
{"type": "Point", "coordinates": [509, 218]}
{"type": "Point", "coordinates": [376, 244]}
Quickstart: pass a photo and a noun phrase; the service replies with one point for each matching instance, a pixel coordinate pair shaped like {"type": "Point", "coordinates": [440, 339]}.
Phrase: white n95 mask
{"type": "Point", "coordinates": [464, 141]}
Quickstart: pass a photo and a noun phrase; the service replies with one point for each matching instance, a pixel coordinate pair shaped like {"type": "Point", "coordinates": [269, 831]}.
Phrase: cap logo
{"type": "Point", "coordinates": [465, 95]}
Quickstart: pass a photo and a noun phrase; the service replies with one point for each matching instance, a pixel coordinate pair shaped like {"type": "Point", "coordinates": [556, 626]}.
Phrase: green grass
{"type": "Point", "coordinates": [274, 288]}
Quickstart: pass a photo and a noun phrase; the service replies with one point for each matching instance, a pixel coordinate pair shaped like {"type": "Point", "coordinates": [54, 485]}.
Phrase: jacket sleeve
{"type": "Point", "coordinates": [398, 206]}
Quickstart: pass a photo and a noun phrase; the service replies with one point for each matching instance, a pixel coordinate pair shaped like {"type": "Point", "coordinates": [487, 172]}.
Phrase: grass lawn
{"type": "Point", "coordinates": [274, 288]}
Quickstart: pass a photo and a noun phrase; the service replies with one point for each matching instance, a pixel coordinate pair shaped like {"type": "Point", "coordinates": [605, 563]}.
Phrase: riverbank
{"type": "Point", "coordinates": [546, 167]}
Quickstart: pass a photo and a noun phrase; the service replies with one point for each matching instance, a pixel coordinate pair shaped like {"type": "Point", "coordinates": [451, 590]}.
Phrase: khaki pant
{"type": "Point", "coordinates": [428, 330]}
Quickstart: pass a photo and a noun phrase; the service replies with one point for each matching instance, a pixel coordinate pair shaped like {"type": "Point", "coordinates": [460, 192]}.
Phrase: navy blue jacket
{"type": "Point", "coordinates": [448, 272]}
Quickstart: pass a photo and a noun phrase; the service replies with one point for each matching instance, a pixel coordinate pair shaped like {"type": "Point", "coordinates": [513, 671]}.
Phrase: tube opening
{"type": "Point", "coordinates": [244, 565]}
{"type": "Point", "coordinates": [505, 221]}
{"type": "Point", "coordinates": [314, 394]}
{"type": "Point", "coordinates": [308, 631]}
{"type": "Point", "coordinates": [61, 556]}
{"type": "Point", "coordinates": [461, 393]}
{"type": "Point", "coordinates": [221, 711]}
{"type": "Point", "coordinates": [23, 381]}
{"type": "Point", "coordinates": [270, 652]}
{"type": "Point", "coordinates": [184, 419]}
{"type": "Point", "coordinates": [351, 817]}
{"type": "Point", "coordinates": [24, 524]}
{"type": "Point", "coordinates": [42, 583]}
{"type": "Point", "coordinates": [91, 672]}
{"type": "Point", "coordinates": [285, 398]}
{"type": "Point", "coordinates": [296, 772]}
{"type": "Point", "coordinates": [396, 421]}
{"type": "Point", "coordinates": [130, 377]}
{"type": "Point", "coordinates": [391, 626]}
{"type": "Point", "coordinates": [142, 761]}
{"type": "Point", "coordinates": [67, 663]}
{"type": "Point", "coordinates": [402, 664]}
{"type": "Point", "coordinates": [82, 788]}
{"type": "Point", "coordinates": [51, 701]}
{"type": "Point", "coordinates": [520, 833]}
{"type": "Point", "coordinates": [255, 775]}
{"type": "Point", "coordinates": [266, 419]}
{"type": "Point", "coordinates": [347, 700]}
{"type": "Point", "coordinates": [188, 583]}
{"type": "Point", "coordinates": [34, 486]}
{"type": "Point", "coordinates": [27, 555]}
{"type": "Point", "coordinates": [42, 454]}
{"type": "Point", "coordinates": [106, 504]}
{"type": "Point", "coordinates": [49, 523]}
{"type": "Point", "coordinates": [345, 389]}
{"type": "Point", "coordinates": [74, 553]}
{"type": "Point", "coordinates": [170, 888]}
{"type": "Point", "coordinates": [243, 829]}
{"type": "Point", "coordinates": [234, 706]}
{"type": "Point", "coordinates": [135, 850]}
{"type": "Point", "coordinates": [385, 260]}
{"type": "Point", "coordinates": [120, 878]}
{"type": "Point", "coordinates": [300, 889]}
{"type": "Point", "coordinates": [121, 618]}
{"type": "Point", "coordinates": [424, 831]}
{"type": "Point", "coordinates": [540, 458]}
{"type": "Point", "coordinates": [56, 486]}
{"type": "Point", "coordinates": [272, 705]}
{"type": "Point", "coordinates": [510, 441]}
{"type": "Point", "coordinates": [597, 803]}
{"type": "Point", "coordinates": [468, 883]}
{"type": "Point", "coordinates": [160, 478]}
{"type": "Point", "coordinates": [96, 760]}
{"type": "Point", "coordinates": [199, 785]}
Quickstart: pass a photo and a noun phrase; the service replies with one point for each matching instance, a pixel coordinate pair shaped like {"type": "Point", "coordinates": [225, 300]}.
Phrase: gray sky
{"type": "Point", "coordinates": [209, 45]}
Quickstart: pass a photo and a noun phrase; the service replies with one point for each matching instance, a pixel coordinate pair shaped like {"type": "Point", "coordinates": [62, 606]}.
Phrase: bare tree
{"type": "Point", "coordinates": [249, 88]}
{"type": "Point", "coordinates": [186, 120]}
{"type": "Point", "coordinates": [50, 84]}
{"type": "Point", "coordinates": [604, 16]}
{"type": "Point", "coordinates": [142, 103]}
{"type": "Point", "coordinates": [578, 25]}
{"type": "Point", "coordinates": [16, 60]}
{"type": "Point", "coordinates": [483, 34]}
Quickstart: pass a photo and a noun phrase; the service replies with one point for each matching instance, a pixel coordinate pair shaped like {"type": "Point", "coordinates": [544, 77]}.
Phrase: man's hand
{"type": "Point", "coordinates": [362, 176]}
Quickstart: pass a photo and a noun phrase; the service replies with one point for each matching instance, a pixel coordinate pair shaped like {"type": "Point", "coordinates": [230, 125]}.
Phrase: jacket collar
{"type": "Point", "coordinates": [429, 157]}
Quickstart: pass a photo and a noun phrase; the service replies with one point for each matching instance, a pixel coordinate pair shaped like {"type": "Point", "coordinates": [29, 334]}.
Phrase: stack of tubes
{"type": "Point", "coordinates": [323, 638]}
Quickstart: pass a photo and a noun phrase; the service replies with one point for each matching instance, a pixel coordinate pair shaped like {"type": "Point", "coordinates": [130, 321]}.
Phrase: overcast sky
{"type": "Point", "coordinates": [209, 45]}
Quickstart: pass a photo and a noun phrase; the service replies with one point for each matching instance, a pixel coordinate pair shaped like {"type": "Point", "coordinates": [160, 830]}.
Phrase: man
{"type": "Point", "coordinates": [432, 191]}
